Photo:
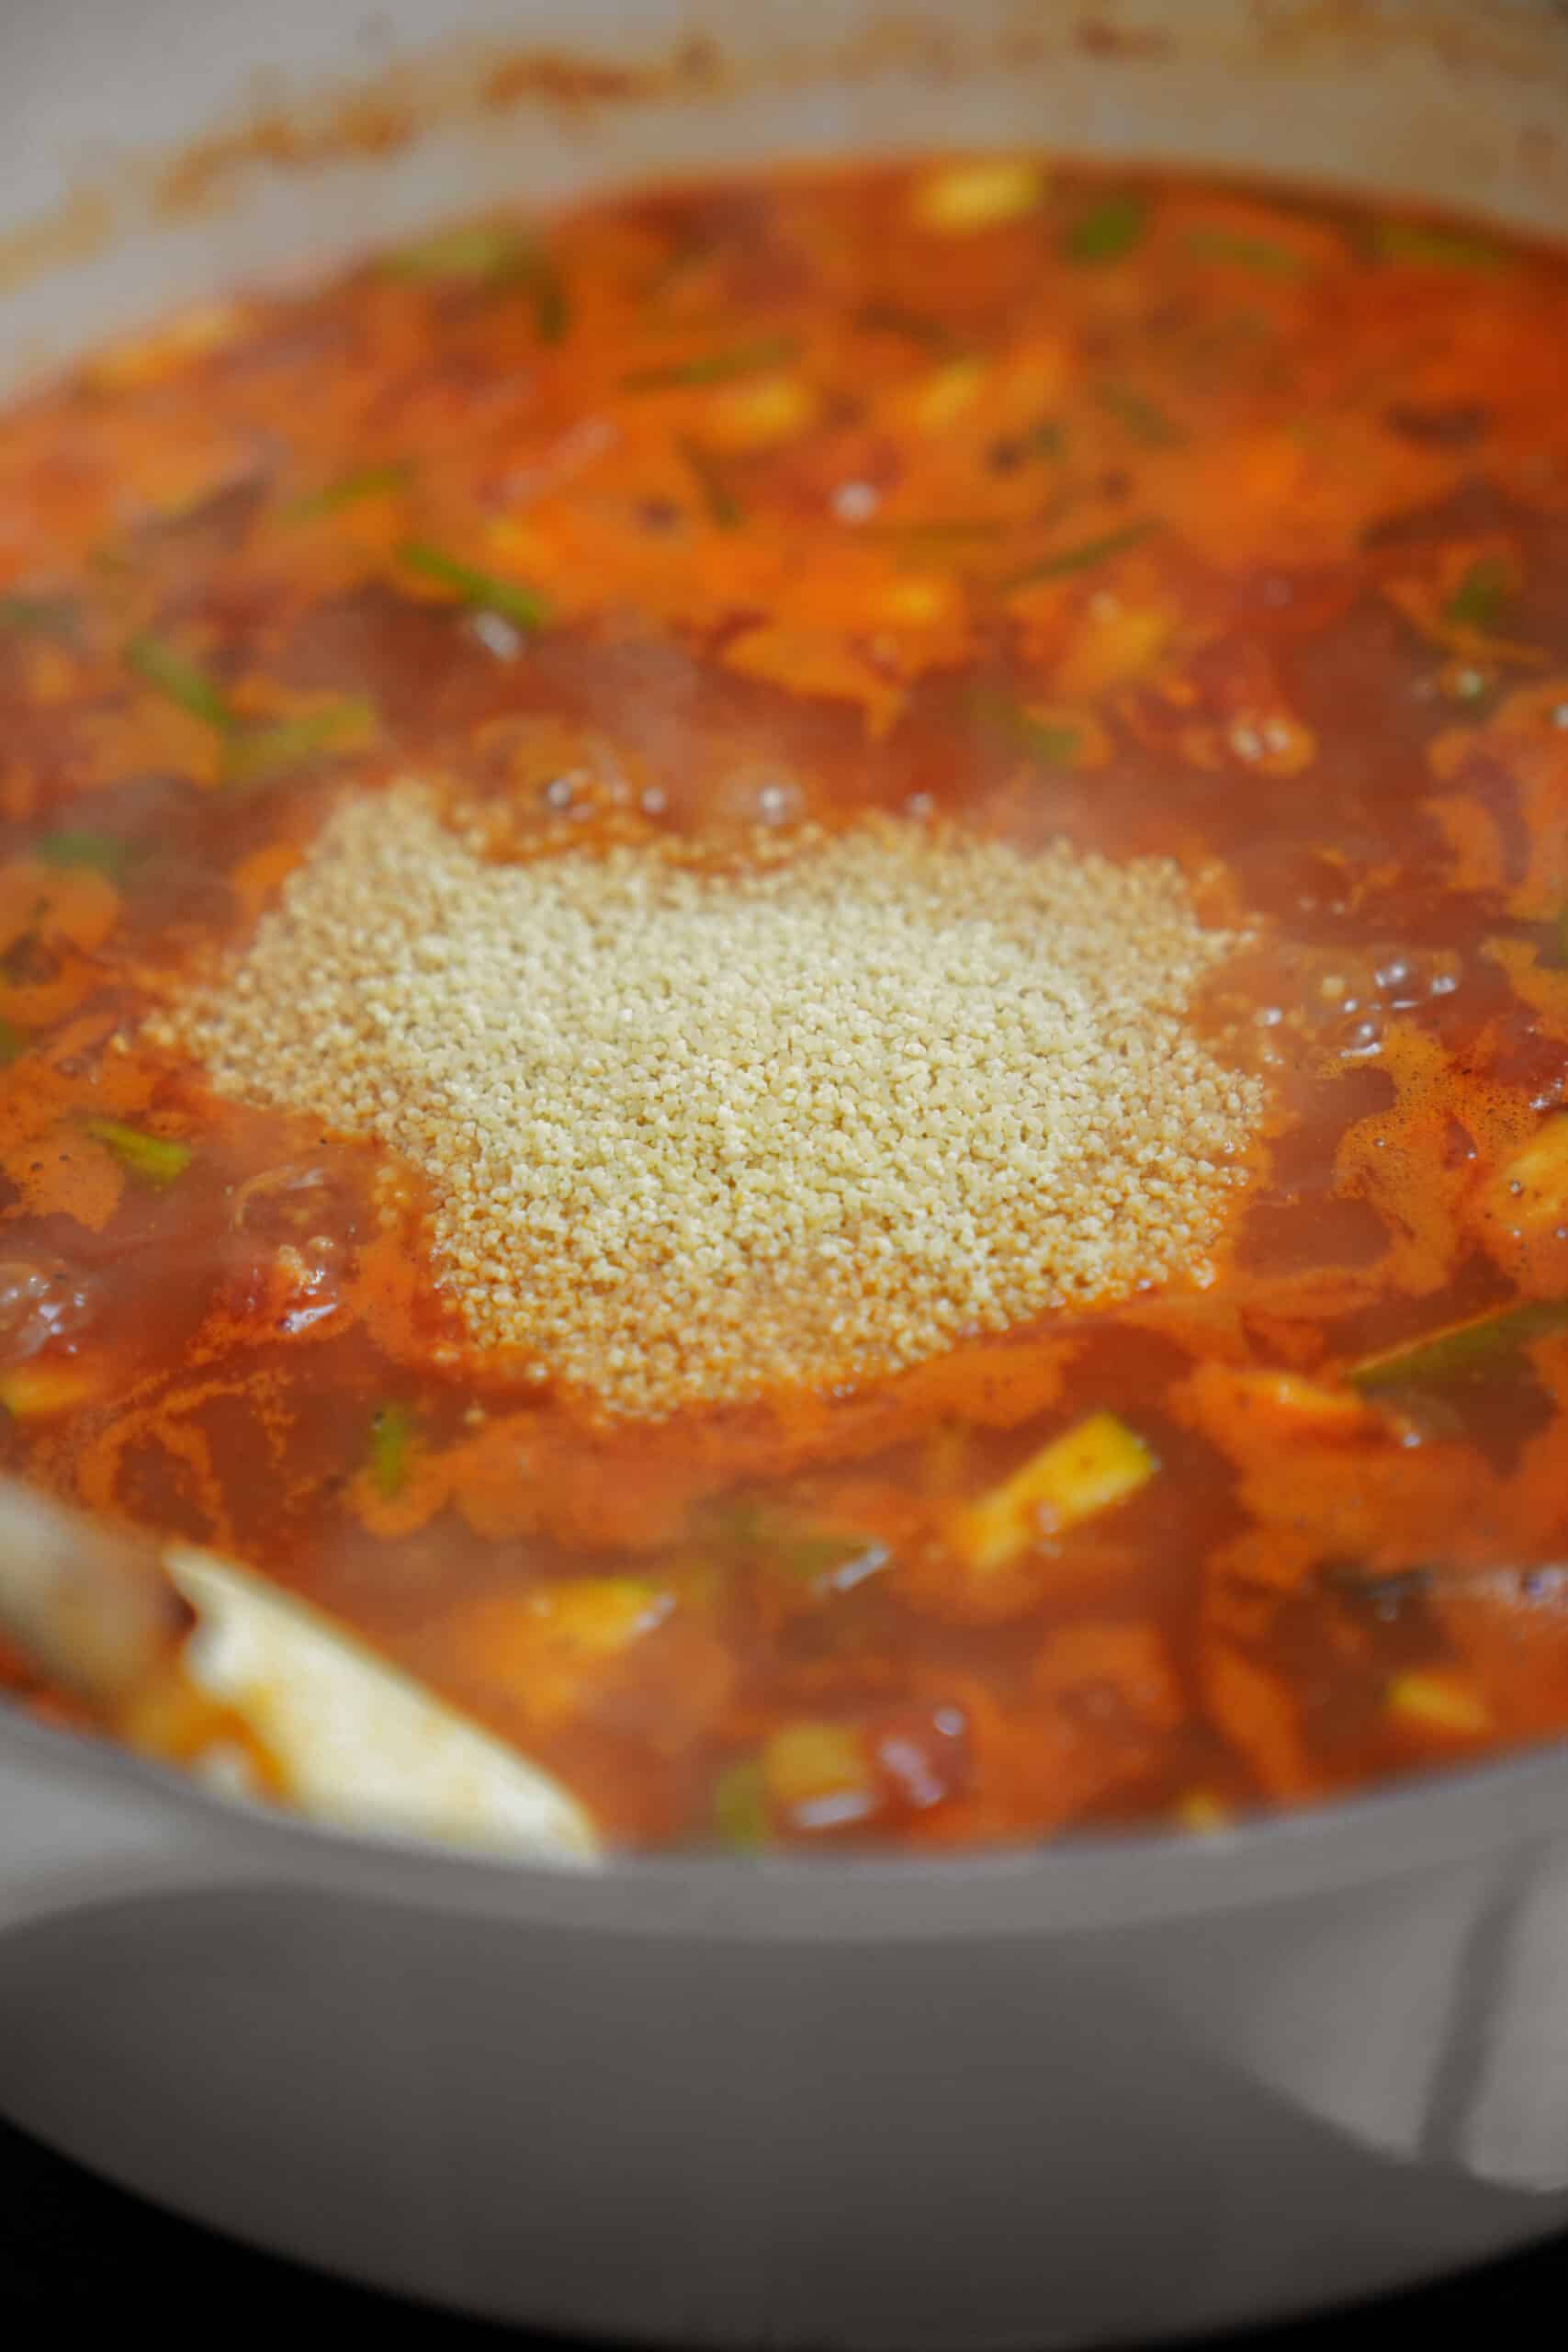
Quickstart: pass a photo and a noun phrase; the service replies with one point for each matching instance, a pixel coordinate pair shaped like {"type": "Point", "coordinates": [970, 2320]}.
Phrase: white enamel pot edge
{"type": "Point", "coordinates": [1069, 2097]}
{"type": "Point", "coordinates": [1095, 2095]}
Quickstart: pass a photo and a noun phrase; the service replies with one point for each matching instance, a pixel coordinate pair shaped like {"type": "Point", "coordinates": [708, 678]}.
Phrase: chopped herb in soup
{"type": "Point", "coordinates": [783, 978]}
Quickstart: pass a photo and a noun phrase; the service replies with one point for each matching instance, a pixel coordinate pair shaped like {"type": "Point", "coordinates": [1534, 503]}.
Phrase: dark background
{"type": "Point", "coordinates": [73, 2248]}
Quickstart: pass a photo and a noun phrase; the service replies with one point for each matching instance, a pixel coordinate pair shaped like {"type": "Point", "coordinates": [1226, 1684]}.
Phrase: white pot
{"type": "Point", "coordinates": [1058, 2098]}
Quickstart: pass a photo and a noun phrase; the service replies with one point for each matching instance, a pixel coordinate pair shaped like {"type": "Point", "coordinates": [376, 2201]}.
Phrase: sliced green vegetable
{"type": "Point", "coordinates": [1232, 342]}
{"type": "Point", "coordinates": [19, 961]}
{"type": "Point", "coordinates": [741, 1808]}
{"type": "Point", "coordinates": [37, 616]}
{"type": "Point", "coordinates": [547, 291]}
{"type": "Point", "coordinates": [713, 367]}
{"type": "Point", "coordinates": [787, 1543]}
{"type": "Point", "coordinates": [173, 674]}
{"type": "Point", "coordinates": [486, 249]}
{"type": "Point", "coordinates": [254, 754]}
{"type": "Point", "coordinates": [364, 481]}
{"type": "Point", "coordinates": [1047, 438]}
{"type": "Point", "coordinates": [480, 591]}
{"type": "Point", "coordinates": [1082, 557]}
{"type": "Point", "coordinates": [154, 1160]}
{"type": "Point", "coordinates": [684, 262]}
{"type": "Point", "coordinates": [1140, 417]}
{"type": "Point", "coordinates": [723, 506]}
{"type": "Point", "coordinates": [267, 753]}
{"type": "Point", "coordinates": [1248, 252]}
{"type": "Point", "coordinates": [1464, 683]}
{"type": "Point", "coordinates": [1108, 232]}
{"type": "Point", "coordinates": [942, 531]}
{"type": "Point", "coordinates": [102, 851]}
{"type": "Point", "coordinates": [493, 254]}
{"type": "Point", "coordinates": [813, 1559]}
{"type": "Point", "coordinates": [1482, 597]}
{"type": "Point", "coordinates": [1432, 242]}
{"type": "Point", "coordinates": [111, 561]}
{"type": "Point", "coordinates": [1462, 1350]}
{"type": "Point", "coordinates": [1053, 745]}
{"type": "Point", "coordinates": [911, 326]}
{"type": "Point", "coordinates": [393, 1428]}
{"type": "Point", "coordinates": [1385, 1590]}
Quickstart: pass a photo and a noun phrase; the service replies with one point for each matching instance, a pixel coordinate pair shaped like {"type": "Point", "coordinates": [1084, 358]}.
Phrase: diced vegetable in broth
{"type": "Point", "coordinates": [1439, 1703]}
{"type": "Point", "coordinates": [152, 1159]}
{"type": "Point", "coordinates": [1093, 1466]}
{"type": "Point", "coordinates": [784, 995]}
{"type": "Point", "coordinates": [962, 198]}
{"type": "Point", "coordinates": [41, 1392]}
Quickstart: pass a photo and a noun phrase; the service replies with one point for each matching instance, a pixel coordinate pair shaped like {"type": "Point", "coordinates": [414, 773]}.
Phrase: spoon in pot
{"type": "Point", "coordinates": [188, 1658]}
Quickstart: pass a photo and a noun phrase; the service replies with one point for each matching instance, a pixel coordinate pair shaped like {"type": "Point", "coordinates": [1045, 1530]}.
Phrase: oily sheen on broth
{"type": "Point", "coordinates": [783, 989]}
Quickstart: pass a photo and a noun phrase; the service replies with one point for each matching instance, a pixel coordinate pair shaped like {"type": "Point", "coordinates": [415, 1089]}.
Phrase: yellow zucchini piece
{"type": "Point", "coordinates": [1301, 1405]}
{"type": "Point", "coordinates": [964, 198]}
{"type": "Point", "coordinates": [755, 415]}
{"type": "Point", "coordinates": [946, 393]}
{"type": "Point", "coordinates": [1113, 644]}
{"type": "Point", "coordinates": [35, 1391]}
{"type": "Point", "coordinates": [1094, 1465]}
{"type": "Point", "coordinates": [819, 1774]}
{"type": "Point", "coordinates": [918, 602]}
{"type": "Point", "coordinates": [1202, 1815]}
{"type": "Point", "coordinates": [146, 359]}
{"type": "Point", "coordinates": [549, 1649]}
{"type": "Point", "coordinates": [1530, 1195]}
{"type": "Point", "coordinates": [595, 1616]}
{"type": "Point", "coordinates": [1439, 1702]}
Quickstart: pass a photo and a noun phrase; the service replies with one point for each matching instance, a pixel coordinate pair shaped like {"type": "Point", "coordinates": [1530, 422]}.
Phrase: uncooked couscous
{"type": "Point", "coordinates": [691, 1134]}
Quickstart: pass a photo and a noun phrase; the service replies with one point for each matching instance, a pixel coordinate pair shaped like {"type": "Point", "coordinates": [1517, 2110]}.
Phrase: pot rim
{"type": "Point", "coordinates": [1469, 1810]}
{"type": "Point", "coordinates": [1468, 1813]}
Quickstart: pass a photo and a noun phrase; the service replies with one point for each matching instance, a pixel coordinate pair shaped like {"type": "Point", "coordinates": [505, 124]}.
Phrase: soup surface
{"type": "Point", "coordinates": [785, 973]}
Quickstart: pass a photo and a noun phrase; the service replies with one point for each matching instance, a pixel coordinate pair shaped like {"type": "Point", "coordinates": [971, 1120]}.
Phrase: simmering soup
{"type": "Point", "coordinates": [784, 978]}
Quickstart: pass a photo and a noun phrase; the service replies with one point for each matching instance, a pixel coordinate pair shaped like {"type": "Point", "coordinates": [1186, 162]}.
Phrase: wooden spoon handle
{"type": "Point", "coordinates": [92, 1604]}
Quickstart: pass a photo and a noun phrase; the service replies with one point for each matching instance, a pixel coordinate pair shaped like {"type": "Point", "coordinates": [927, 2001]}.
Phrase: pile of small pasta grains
{"type": "Point", "coordinates": [693, 1130]}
